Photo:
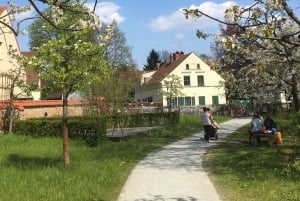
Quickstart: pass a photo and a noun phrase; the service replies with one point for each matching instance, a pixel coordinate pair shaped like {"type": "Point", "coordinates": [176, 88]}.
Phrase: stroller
{"type": "Point", "coordinates": [210, 131]}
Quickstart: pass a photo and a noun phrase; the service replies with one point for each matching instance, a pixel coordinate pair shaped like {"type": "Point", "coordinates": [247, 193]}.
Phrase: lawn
{"type": "Point", "coordinates": [32, 169]}
{"type": "Point", "coordinates": [250, 173]}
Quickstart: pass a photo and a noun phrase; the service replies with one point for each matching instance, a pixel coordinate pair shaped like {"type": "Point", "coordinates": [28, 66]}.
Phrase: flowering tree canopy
{"type": "Point", "coordinates": [263, 50]}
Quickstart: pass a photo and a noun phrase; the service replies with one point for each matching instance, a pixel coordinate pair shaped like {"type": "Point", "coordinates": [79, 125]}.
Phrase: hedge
{"type": "Point", "coordinates": [91, 128]}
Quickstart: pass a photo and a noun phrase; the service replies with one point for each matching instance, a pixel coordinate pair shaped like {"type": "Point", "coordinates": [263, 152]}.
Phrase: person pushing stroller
{"type": "Point", "coordinates": [210, 126]}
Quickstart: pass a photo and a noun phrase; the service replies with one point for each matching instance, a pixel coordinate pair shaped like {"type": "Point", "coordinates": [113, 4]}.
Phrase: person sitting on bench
{"type": "Point", "coordinates": [270, 124]}
{"type": "Point", "coordinates": [256, 126]}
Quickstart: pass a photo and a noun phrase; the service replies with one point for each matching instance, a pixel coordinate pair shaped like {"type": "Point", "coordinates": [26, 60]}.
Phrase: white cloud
{"type": "Point", "coordinates": [107, 11]}
{"type": "Point", "coordinates": [177, 21]}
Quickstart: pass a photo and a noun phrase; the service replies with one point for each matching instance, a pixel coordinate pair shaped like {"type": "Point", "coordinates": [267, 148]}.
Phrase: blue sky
{"type": "Point", "coordinates": [158, 24]}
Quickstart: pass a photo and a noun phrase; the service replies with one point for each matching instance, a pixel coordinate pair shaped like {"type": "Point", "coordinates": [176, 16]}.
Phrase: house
{"type": "Point", "coordinates": [9, 50]}
{"type": "Point", "coordinates": [202, 86]}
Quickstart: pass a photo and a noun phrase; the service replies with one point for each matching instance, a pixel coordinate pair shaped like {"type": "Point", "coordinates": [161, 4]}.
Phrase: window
{"type": "Point", "coordinates": [150, 99]}
{"type": "Point", "coordinates": [201, 100]}
{"type": "Point", "coordinates": [173, 102]}
{"type": "Point", "coordinates": [187, 66]}
{"type": "Point", "coordinates": [200, 80]}
{"type": "Point", "coordinates": [186, 81]}
{"type": "Point", "coordinates": [188, 101]}
{"type": "Point", "coordinates": [215, 100]}
{"type": "Point", "coordinates": [198, 66]}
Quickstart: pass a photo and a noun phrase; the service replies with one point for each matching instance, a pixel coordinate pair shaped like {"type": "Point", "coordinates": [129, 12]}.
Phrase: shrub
{"type": "Point", "coordinates": [88, 128]}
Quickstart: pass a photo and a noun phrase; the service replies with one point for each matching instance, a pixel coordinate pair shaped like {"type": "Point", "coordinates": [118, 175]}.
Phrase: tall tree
{"type": "Point", "coordinates": [165, 56]}
{"type": "Point", "coordinates": [119, 90]}
{"type": "Point", "coordinates": [70, 61]}
{"type": "Point", "coordinates": [152, 60]}
{"type": "Point", "coordinates": [119, 53]}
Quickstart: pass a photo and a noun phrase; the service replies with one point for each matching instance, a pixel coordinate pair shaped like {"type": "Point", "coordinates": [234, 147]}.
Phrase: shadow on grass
{"type": "Point", "coordinates": [32, 162]}
{"type": "Point", "coordinates": [245, 161]}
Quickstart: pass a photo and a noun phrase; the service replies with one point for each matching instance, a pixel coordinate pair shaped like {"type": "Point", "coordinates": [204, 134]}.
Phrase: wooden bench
{"type": "Point", "coordinates": [257, 137]}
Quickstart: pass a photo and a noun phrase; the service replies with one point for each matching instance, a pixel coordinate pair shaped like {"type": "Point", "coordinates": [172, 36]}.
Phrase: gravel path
{"type": "Point", "coordinates": [175, 172]}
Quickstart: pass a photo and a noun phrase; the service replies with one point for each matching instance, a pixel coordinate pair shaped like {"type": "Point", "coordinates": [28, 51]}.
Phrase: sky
{"type": "Point", "coordinates": [156, 24]}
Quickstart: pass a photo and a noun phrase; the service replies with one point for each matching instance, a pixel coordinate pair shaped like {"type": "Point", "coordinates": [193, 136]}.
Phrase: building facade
{"type": "Point", "coordinates": [9, 67]}
{"type": "Point", "coordinates": [202, 86]}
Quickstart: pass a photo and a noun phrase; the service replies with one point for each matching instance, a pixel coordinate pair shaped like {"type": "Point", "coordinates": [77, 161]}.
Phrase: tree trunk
{"type": "Point", "coordinates": [65, 131]}
{"type": "Point", "coordinates": [11, 109]}
{"type": "Point", "coordinates": [295, 93]}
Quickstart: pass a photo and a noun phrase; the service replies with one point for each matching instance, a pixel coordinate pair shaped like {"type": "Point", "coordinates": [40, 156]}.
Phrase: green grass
{"type": "Point", "coordinates": [248, 173]}
{"type": "Point", "coordinates": [32, 169]}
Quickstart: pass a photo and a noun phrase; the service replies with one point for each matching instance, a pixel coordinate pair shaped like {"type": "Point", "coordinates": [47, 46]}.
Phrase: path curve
{"type": "Point", "coordinates": [175, 172]}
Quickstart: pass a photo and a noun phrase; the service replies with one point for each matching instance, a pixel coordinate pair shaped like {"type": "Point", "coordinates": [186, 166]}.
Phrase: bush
{"type": "Point", "coordinates": [89, 128]}
{"type": "Point", "coordinates": [143, 119]}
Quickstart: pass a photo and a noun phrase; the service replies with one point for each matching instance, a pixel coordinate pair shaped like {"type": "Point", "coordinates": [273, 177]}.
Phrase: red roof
{"type": "Point", "coordinates": [165, 69]}
{"type": "Point", "coordinates": [27, 53]}
{"type": "Point", "coordinates": [2, 9]}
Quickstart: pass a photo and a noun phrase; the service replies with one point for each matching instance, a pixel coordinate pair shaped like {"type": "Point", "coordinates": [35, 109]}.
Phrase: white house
{"type": "Point", "coordinates": [9, 48]}
{"type": "Point", "coordinates": [202, 86]}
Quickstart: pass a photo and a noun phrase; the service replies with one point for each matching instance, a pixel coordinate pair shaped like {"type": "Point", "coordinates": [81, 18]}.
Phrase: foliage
{"type": "Point", "coordinates": [264, 39]}
{"type": "Point", "coordinates": [71, 61]}
{"type": "Point", "coordinates": [171, 88]}
{"type": "Point", "coordinates": [89, 129]}
{"type": "Point", "coordinates": [53, 17]}
{"type": "Point", "coordinates": [118, 90]}
{"type": "Point", "coordinates": [118, 52]}
{"type": "Point", "coordinates": [143, 119]}
{"type": "Point", "coordinates": [152, 60]}
{"type": "Point", "coordinates": [17, 86]}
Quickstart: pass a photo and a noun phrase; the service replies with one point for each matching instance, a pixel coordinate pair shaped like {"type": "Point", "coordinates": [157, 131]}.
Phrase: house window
{"type": "Point", "coordinates": [189, 101]}
{"type": "Point", "coordinates": [150, 99]}
{"type": "Point", "coordinates": [186, 81]}
{"type": "Point", "coordinates": [172, 102]}
{"type": "Point", "coordinates": [198, 66]}
{"type": "Point", "coordinates": [201, 100]}
{"type": "Point", "coordinates": [200, 80]}
{"type": "Point", "coordinates": [215, 100]}
{"type": "Point", "coordinates": [187, 66]}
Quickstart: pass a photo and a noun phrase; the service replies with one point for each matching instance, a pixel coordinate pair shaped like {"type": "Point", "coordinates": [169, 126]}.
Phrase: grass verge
{"type": "Point", "coordinates": [248, 173]}
{"type": "Point", "coordinates": [32, 168]}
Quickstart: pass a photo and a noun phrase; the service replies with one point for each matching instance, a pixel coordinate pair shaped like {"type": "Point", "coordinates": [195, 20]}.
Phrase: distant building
{"type": "Point", "coordinates": [9, 45]}
{"type": "Point", "coordinates": [201, 85]}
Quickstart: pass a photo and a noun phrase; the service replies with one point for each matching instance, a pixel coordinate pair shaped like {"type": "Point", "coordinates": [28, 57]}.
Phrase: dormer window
{"type": "Point", "coordinates": [187, 66]}
{"type": "Point", "coordinates": [198, 66]}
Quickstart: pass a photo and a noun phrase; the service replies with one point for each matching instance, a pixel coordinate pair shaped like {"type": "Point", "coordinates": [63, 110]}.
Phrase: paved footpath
{"type": "Point", "coordinates": [175, 172]}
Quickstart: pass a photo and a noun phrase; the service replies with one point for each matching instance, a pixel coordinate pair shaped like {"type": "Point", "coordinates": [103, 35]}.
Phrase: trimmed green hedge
{"type": "Point", "coordinates": [91, 128]}
{"type": "Point", "coordinates": [143, 119]}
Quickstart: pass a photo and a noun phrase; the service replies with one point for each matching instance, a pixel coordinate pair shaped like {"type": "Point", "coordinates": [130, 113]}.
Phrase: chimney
{"type": "Point", "coordinates": [177, 55]}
